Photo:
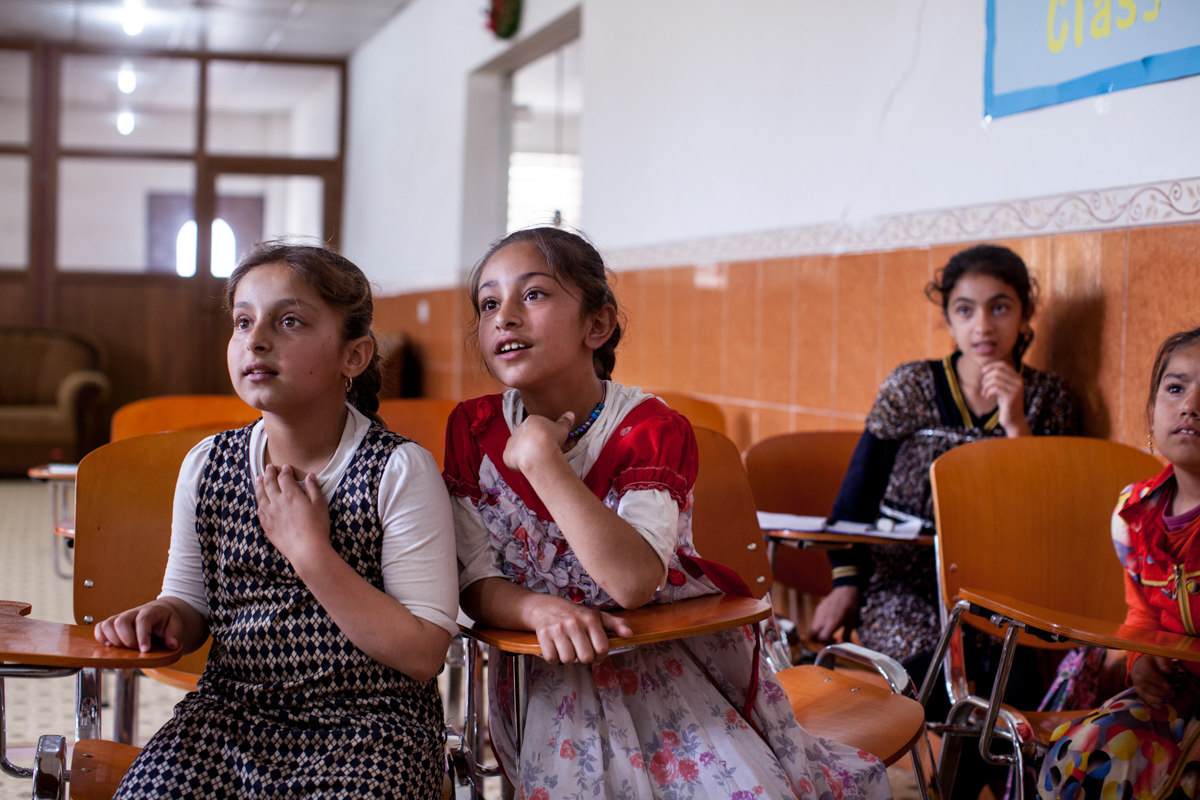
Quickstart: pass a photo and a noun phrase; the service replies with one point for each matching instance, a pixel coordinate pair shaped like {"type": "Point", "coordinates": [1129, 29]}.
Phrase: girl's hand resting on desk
{"type": "Point", "coordinates": [536, 438]}
{"type": "Point", "coordinates": [568, 632]}
{"type": "Point", "coordinates": [1159, 680]}
{"type": "Point", "coordinates": [1006, 386]}
{"type": "Point", "coordinates": [295, 520]}
{"type": "Point", "coordinates": [134, 628]}
{"type": "Point", "coordinates": [838, 610]}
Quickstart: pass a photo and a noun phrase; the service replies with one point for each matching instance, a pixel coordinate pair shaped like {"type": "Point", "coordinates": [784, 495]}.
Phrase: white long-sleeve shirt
{"type": "Point", "coordinates": [414, 509]}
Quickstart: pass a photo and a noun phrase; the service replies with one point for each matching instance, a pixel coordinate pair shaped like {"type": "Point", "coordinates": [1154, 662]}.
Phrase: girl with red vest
{"type": "Point", "coordinates": [572, 498]}
{"type": "Point", "coordinates": [1143, 742]}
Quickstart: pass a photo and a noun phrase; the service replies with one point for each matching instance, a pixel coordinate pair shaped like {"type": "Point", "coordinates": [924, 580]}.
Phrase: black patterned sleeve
{"type": "Point", "coordinates": [1056, 409]}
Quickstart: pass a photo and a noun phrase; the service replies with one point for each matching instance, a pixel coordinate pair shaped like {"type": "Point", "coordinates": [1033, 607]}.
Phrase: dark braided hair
{"type": "Point", "coordinates": [340, 284]}
{"type": "Point", "coordinates": [1174, 342]}
{"type": "Point", "coordinates": [997, 262]}
{"type": "Point", "coordinates": [574, 261]}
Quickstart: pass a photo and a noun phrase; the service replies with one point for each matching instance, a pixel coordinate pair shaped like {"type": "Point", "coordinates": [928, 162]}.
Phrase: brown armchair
{"type": "Point", "coordinates": [50, 385]}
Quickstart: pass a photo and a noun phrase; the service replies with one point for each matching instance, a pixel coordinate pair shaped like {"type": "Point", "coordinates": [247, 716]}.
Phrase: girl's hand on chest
{"type": "Point", "coordinates": [294, 516]}
{"type": "Point", "coordinates": [537, 440]}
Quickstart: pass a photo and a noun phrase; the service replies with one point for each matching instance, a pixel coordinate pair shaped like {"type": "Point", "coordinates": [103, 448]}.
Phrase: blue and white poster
{"type": "Point", "coordinates": [1042, 52]}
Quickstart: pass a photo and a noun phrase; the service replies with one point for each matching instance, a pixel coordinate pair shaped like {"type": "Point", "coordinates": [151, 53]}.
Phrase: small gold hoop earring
{"type": "Point", "coordinates": [1150, 442]}
{"type": "Point", "coordinates": [349, 384]}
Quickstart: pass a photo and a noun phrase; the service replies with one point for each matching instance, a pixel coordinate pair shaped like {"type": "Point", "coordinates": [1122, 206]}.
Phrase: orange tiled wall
{"type": "Point", "coordinates": [803, 343]}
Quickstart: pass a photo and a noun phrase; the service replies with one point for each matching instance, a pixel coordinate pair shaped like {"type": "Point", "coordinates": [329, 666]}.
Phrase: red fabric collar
{"type": "Point", "coordinates": [491, 432]}
{"type": "Point", "coordinates": [1136, 506]}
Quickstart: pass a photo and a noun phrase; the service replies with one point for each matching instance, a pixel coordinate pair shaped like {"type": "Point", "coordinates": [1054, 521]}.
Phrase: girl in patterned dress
{"type": "Point", "coordinates": [316, 548]}
{"type": "Point", "coordinates": [572, 499]}
{"type": "Point", "coordinates": [924, 409]}
{"type": "Point", "coordinates": [1143, 742]}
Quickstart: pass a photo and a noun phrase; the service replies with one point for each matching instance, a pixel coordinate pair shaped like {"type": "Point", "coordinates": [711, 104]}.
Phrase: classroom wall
{"type": "Point", "coordinates": [803, 343]}
{"type": "Point", "coordinates": [717, 118]}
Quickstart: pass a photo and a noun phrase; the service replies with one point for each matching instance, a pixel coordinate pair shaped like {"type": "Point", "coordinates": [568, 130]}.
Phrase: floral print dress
{"type": "Point", "coordinates": [667, 720]}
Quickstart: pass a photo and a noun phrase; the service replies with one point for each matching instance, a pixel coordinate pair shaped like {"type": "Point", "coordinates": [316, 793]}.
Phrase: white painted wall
{"type": "Point", "coordinates": [405, 145]}
{"type": "Point", "coordinates": [712, 117]}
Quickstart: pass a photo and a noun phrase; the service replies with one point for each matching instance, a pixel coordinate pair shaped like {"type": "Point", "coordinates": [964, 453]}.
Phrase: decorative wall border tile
{"type": "Point", "coordinates": [1149, 204]}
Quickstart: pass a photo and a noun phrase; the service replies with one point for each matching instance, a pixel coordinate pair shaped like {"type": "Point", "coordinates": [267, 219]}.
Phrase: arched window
{"type": "Point", "coordinates": [224, 249]}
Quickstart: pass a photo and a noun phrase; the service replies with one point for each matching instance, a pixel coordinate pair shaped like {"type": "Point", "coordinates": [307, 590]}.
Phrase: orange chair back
{"type": "Point", "coordinates": [181, 412]}
{"type": "Point", "coordinates": [124, 495]}
{"type": "Point", "coordinates": [701, 413]}
{"type": "Point", "coordinates": [800, 473]}
{"type": "Point", "coordinates": [1031, 518]}
{"type": "Point", "coordinates": [724, 525]}
{"type": "Point", "coordinates": [423, 421]}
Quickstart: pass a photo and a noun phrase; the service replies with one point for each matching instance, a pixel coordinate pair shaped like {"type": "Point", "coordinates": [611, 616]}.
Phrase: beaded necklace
{"type": "Point", "coordinates": [587, 423]}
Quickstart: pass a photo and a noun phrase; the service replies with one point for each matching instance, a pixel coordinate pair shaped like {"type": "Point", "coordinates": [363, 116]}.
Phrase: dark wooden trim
{"type": "Point", "coordinates": [134, 153]}
{"type": "Point", "coordinates": [141, 52]}
{"type": "Point", "coordinates": [15, 149]}
{"type": "Point", "coordinates": [102, 277]}
{"type": "Point", "coordinates": [43, 190]}
{"type": "Point", "coordinates": [272, 165]}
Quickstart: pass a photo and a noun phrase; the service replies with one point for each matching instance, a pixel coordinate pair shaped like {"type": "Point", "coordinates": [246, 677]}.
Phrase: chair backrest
{"type": "Point", "coordinates": [724, 525]}
{"type": "Point", "coordinates": [423, 421]}
{"type": "Point", "coordinates": [700, 413]}
{"type": "Point", "coordinates": [181, 412]}
{"type": "Point", "coordinates": [124, 494]}
{"type": "Point", "coordinates": [1031, 518]}
{"type": "Point", "coordinates": [800, 473]}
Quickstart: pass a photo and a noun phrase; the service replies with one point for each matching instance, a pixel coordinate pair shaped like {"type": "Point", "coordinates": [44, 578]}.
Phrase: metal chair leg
{"type": "Point", "coordinates": [87, 705]}
{"type": "Point", "coordinates": [50, 769]}
{"type": "Point", "coordinates": [125, 707]}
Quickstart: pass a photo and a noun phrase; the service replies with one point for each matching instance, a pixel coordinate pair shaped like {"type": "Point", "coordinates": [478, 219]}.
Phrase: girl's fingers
{"type": "Point", "coordinates": [549, 651]}
{"type": "Point", "coordinates": [581, 643]}
{"type": "Point", "coordinates": [616, 624]}
{"type": "Point", "coordinates": [312, 488]}
{"type": "Point", "coordinates": [124, 630]}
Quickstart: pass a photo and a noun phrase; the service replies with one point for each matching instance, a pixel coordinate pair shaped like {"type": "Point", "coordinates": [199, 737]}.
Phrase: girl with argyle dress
{"type": "Point", "coordinates": [316, 548]}
{"type": "Point", "coordinates": [572, 498]}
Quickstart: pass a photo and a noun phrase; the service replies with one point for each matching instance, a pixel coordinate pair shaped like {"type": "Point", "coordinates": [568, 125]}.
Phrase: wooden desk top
{"type": "Point", "coordinates": [1087, 629]}
{"type": "Point", "coordinates": [829, 537]}
{"type": "Point", "coordinates": [716, 612]}
{"type": "Point", "coordinates": [53, 644]}
{"type": "Point", "coordinates": [42, 473]}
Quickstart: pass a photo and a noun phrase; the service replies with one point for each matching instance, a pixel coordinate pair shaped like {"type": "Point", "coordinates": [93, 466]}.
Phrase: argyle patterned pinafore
{"type": "Point", "coordinates": [287, 706]}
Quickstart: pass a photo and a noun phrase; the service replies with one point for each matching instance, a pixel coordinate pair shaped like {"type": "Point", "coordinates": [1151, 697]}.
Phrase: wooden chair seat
{"type": "Point", "coordinates": [650, 624]}
{"type": "Point", "coordinates": [843, 706]}
{"type": "Point", "coordinates": [65, 528]}
{"type": "Point", "coordinates": [97, 767]}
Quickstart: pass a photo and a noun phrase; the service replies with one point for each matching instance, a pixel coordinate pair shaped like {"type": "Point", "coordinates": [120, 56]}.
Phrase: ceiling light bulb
{"type": "Point", "coordinates": [134, 17]}
{"type": "Point", "coordinates": [125, 123]}
{"type": "Point", "coordinates": [126, 79]}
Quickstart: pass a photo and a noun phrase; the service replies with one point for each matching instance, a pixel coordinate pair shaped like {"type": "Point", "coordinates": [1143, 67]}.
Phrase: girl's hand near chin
{"type": "Point", "coordinates": [535, 439]}
{"type": "Point", "coordinates": [1005, 385]}
{"type": "Point", "coordinates": [295, 520]}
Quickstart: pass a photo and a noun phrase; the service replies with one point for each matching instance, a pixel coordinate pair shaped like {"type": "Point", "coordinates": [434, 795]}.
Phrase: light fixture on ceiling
{"type": "Point", "coordinates": [125, 123]}
{"type": "Point", "coordinates": [127, 79]}
{"type": "Point", "coordinates": [134, 17]}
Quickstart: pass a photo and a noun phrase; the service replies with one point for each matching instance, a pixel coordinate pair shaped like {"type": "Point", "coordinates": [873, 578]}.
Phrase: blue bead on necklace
{"type": "Point", "coordinates": [587, 423]}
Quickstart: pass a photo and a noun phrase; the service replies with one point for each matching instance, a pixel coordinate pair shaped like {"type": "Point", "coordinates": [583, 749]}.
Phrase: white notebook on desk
{"type": "Point", "coordinates": [770, 521]}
